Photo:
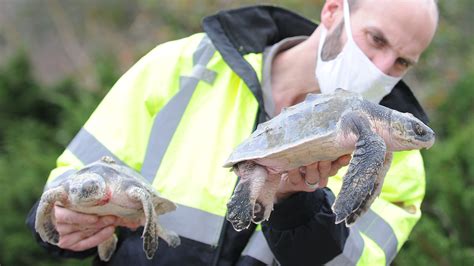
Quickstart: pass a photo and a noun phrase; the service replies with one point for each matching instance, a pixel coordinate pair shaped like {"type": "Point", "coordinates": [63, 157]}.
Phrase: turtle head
{"type": "Point", "coordinates": [87, 189]}
{"type": "Point", "coordinates": [408, 132]}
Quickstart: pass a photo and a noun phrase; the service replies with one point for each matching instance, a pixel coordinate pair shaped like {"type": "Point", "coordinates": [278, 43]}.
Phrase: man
{"type": "Point", "coordinates": [177, 114]}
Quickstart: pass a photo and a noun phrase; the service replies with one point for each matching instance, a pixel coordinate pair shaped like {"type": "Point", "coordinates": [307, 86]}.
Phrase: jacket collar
{"type": "Point", "coordinates": [237, 32]}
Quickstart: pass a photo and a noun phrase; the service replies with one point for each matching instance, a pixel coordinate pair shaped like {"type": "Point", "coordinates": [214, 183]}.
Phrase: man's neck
{"type": "Point", "coordinates": [293, 73]}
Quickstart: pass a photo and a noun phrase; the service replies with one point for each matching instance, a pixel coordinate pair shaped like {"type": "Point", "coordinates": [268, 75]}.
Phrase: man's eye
{"type": "Point", "coordinates": [403, 63]}
{"type": "Point", "coordinates": [376, 40]}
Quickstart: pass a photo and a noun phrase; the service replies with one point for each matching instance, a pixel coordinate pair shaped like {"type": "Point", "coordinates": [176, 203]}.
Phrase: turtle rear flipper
{"type": "Point", "coordinates": [242, 203]}
{"type": "Point", "coordinates": [364, 168]}
{"type": "Point", "coordinates": [107, 248]}
{"type": "Point", "coordinates": [44, 222]}
{"type": "Point", "coordinates": [170, 237]}
{"type": "Point", "coordinates": [150, 238]}
{"type": "Point", "coordinates": [163, 205]}
{"type": "Point", "coordinates": [264, 203]}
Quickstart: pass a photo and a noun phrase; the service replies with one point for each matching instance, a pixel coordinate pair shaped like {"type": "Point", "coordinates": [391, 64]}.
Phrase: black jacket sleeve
{"type": "Point", "coordinates": [302, 229]}
{"type": "Point", "coordinates": [52, 249]}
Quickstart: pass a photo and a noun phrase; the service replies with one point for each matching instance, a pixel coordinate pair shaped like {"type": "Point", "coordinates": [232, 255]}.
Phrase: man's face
{"type": "Point", "coordinates": [392, 34]}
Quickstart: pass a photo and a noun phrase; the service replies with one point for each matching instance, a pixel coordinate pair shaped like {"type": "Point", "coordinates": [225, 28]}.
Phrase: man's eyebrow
{"type": "Point", "coordinates": [379, 33]}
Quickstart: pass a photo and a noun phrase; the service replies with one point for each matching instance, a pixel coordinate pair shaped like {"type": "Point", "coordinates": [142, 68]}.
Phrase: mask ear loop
{"type": "Point", "coordinates": [347, 21]}
{"type": "Point", "coordinates": [322, 39]}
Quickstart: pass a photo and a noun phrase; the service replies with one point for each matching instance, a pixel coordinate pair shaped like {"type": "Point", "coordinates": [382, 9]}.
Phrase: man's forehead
{"type": "Point", "coordinates": [429, 4]}
{"type": "Point", "coordinates": [414, 10]}
{"type": "Point", "coordinates": [408, 25]}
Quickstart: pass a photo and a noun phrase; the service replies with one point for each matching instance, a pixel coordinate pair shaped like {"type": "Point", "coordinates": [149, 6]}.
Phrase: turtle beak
{"type": "Point", "coordinates": [432, 140]}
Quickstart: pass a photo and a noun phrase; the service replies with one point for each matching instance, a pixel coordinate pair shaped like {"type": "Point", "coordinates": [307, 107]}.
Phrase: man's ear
{"type": "Point", "coordinates": [332, 10]}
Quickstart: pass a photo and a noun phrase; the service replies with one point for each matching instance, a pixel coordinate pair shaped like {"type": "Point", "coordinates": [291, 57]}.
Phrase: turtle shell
{"type": "Point", "coordinates": [307, 127]}
{"type": "Point", "coordinates": [118, 179]}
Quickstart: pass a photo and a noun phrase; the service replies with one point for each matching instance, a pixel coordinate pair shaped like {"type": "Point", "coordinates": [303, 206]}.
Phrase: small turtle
{"type": "Point", "coordinates": [107, 188]}
{"type": "Point", "coordinates": [322, 127]}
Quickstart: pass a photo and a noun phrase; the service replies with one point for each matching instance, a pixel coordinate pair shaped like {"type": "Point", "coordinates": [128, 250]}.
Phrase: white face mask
{"type": "Point", "coordinates": [352, 69]}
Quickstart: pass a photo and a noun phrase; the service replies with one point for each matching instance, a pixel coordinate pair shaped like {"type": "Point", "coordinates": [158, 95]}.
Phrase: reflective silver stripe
{"type": "Point", "coordinates": [204, 52]}
{"type": "Point", "coordinates": [374, 227]}
{"type": "Point", "coordinates": [352, 249]}
{"type": "Point", "coordinates": [204, 74]}
{"type": "Point", "coordinates": [194, 224]}
{"type": "Point", "coordinates": [88, 149]}
{"type": "Point", "coordinates": [167, 120]}
{"type": "Point", "coordinates": [164, 126]}
{"type": "Point", "coordinates": [258, 248]}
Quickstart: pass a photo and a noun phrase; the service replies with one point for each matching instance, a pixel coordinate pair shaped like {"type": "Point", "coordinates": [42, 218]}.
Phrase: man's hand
{"type": "Point", "coordinates": [79, 231]}
{"type": "Point", "coordinates": [309, 178]}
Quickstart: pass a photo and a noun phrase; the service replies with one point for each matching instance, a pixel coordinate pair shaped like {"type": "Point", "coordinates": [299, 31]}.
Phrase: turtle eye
{"type": "Point", "coordinates": [419, 130]}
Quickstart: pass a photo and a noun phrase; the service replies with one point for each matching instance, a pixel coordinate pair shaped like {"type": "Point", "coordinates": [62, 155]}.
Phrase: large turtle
{"type": "Point", "coordinates": [107, 188]}
{"type": "Point", "coordinates": [322, 127]}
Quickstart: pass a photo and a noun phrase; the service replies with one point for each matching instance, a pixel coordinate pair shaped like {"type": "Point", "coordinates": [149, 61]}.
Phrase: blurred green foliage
{"type": "Point", "coordinates": [36, 125]}
{"type": "Point", "coordinates": [444, 234]}
{"type": "Point", "coordinates": [37, 121]}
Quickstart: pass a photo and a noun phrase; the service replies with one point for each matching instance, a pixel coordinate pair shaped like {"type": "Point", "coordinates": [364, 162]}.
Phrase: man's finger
{"type": "Point", "coordinates": [127, 223]}
{"type": "Point", "coordinates": [323, 182]}
{"type": "Point", "coordinates": [344, 160]}
{"type": "Point", "coordinates": [324, 167]}
{"type": "Point", "coordinates": [339, 163]}
{"type": "Point", "coordinates": [94, 240]}
{"type": "Point", "coordinates": [106, 221]}
{"type": "Point", "coordinates": [64, 215]}
{"type": "Point", "coordinates": [66, 241]}
{"type": "Point", "coordinates": [67, 228]}
{"type": "Point", "coordinates": [312, 176]}
{"type": "Point", "coordinates": [294, 177]}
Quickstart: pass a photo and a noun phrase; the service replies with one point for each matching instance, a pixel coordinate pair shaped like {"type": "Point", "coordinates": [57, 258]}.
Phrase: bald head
{"type": "Point", "coordinates": [431, 5]}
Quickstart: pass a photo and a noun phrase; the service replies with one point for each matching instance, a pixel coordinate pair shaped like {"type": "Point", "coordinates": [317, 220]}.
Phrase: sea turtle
{"type": "Point", "coordinates": [107, 188]}
{"type": "Point", "coordinates": [322, 127]}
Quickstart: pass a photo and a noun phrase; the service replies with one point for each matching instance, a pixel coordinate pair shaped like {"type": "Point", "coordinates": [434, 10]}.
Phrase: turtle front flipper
{"type": "Point", "coordinates": [264, 203]}
{"type": "Point", "coordinates": [240, 208]}
{"type": "Point", "coordinates": [107, 248]}
{"type": "Point", "coordinates": [364, 168]}
{"type": "Point", "coordinates": [44, 222]}
{"type": "Point", "coordinates": [364, 207]}
{"type": "Point", "coordinates": [150, 237]}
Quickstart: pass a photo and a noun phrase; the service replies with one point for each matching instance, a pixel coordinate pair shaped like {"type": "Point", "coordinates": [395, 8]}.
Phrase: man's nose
{"type": "Point", "coordinates": [385, 62]}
